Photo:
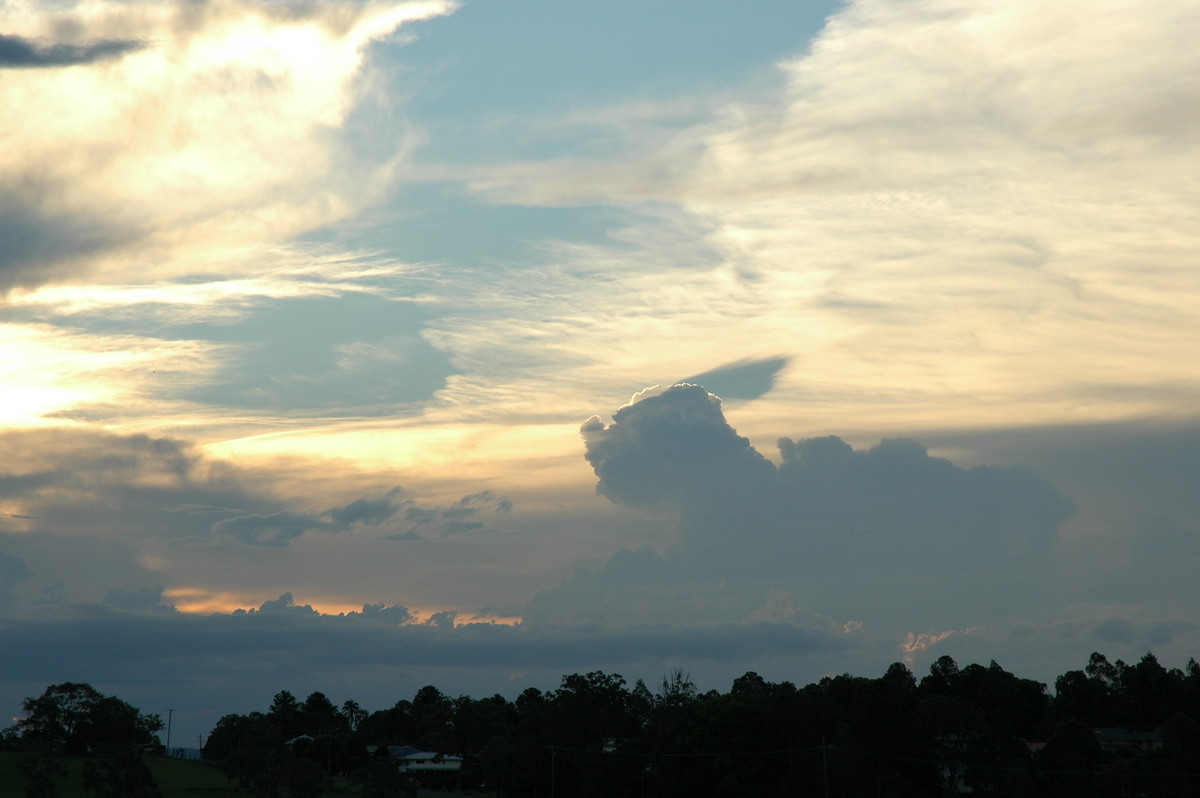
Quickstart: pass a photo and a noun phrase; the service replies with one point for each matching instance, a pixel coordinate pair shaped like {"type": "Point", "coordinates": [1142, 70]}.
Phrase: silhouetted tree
{"type": "Point", "coordinates": [392, 726]}
{"type": "Point", "coordinates": [1150, 692]}
{"type": "Point", "coordinates": [250, 750]}
{"type": "Point", "coordinates": [320, 717]}
{"type": "Point", "coordinates": [353, 713]}
{"type": "Point", "coordinates": [432, 715]}
{"type": "Point", "coordinates": [958, 729]}
{"type": "Point", "coordinates": [74, 718]}
{"type": "Point", "coordinates": [286, 715]}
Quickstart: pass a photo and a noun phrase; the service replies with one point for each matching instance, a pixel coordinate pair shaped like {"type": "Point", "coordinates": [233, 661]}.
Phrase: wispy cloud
{"type": "Point", "coordinates": [942, 203]}
{"type": "Point", "coordinates": [220, 133]}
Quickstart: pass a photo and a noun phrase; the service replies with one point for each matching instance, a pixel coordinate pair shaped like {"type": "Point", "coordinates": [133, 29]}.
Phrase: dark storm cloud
{"type": "Point", "coordinates": [676, 450]}
{"type": "Point", "coordinates": [831, 528]}
{"type": "Point", "coordinates": [899, 495]}
{"type": "Point", "coordinates": [1135, 484]}
{"type": "Point", "coordinates": [20, 52]}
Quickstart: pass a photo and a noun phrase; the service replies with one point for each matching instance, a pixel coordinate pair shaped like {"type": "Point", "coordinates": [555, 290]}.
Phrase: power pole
{"type": "Point", "coordinates": [825, 765]}
{"type": "Point", "coordinates": [170, 712]}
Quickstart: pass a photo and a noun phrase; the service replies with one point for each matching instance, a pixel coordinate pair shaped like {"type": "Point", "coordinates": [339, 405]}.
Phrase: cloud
{"type": "Point", "coordinates": [741, 379]}
{"type": "Point", "coordinates": [825, 522]}
{"type": "Point", "coordinates": [936, 206]}
{"type": "Point", "coordinates": [671, 447]}
{"type": "Point", "coordinates": [143, 598]}
{"type": "Point", "coordinates": [366, 511]}
{"type": "Point", "coordinates": [394, 614]}
{"type": "Point", "coordinates": [281, 629]}
{"type": "Point", "coordinates": [16, 51]}
{"type": "Point", "coordinates": [220, 129]}
{"type": "Point", "coordinates": [135, 522]}
{"type": "Point", "coordinates": [82, 484]}
{"type": "Point", "coordinates": [39, 243]}
{"type": "Point", "coordinates": [275, 529]}
{"type": "Point", "coordinates": [285, 603]}
{"type": "Point", "coordinates": [388, 512]}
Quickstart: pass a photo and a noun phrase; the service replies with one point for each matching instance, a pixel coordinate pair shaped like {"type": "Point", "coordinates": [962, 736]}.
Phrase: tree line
{"type": "Point", "coordinates": [977, 729]}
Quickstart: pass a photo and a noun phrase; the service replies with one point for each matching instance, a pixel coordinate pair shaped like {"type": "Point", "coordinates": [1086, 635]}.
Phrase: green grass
{"type": "Point", "coordinates": [176, 778]}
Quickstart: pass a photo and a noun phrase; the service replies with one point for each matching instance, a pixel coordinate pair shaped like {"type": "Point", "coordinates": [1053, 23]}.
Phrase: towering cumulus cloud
{"type": "Point", "coordinates": [846, 533]}
{"type": "Point", "coordinates": [671, 447]}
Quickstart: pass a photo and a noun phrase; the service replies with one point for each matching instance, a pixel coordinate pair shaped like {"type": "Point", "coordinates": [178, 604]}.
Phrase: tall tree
{"type": "Point", "coordinates": [287, 715]}
{"type": "Point", "coordinates": [353, 713]}
{"type": "Point", "coordinates": [320, 717]}
{"type": "Point", "coordinates": [74, 718]}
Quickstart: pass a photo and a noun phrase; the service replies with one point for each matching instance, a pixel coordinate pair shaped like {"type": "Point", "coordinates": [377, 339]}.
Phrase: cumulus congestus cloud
{"type": "Point", "coordinates": [830, 533]}
{"type": "Point", "coordinates": [671, 447]}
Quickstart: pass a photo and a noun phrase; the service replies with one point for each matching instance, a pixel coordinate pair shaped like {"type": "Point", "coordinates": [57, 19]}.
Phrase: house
{"type": "Point", "coordinates": [426, 761]}
{"type": "Point", "coordinates": [1113, 739]}
{"type": "Point", "coordinates": [414, 760]}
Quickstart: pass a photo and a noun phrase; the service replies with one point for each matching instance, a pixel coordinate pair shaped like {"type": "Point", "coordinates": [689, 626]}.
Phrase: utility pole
{"type": "Point", "coordinates": [551, 771]}
{"type": "Point", "coordinates": [825, 765]}
{"type": "Point", "coordinates": [170, 712]}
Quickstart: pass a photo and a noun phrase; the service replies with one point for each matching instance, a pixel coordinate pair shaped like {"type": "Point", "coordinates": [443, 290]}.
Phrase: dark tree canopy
{"type": "Point", "coordinates": [975, 728]}
{"type": "Point", "coordinates": [76, 718]}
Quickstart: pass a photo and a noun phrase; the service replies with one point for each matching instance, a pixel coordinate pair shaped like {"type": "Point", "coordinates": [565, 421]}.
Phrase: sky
{"type": "Point", "coordinates": [352, 346]}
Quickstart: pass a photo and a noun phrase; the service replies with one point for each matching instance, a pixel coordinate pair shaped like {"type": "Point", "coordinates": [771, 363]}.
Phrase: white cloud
{"type": "Point", "coordinates": [221, 132]}
{"type": "Point", "coordinates": [951, 212]}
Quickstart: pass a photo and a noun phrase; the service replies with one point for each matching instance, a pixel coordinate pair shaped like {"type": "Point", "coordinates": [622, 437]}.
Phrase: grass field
{"type": "Point", "coordinates": [176, 778]}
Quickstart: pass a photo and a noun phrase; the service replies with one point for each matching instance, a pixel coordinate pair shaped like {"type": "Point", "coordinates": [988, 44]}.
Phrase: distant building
{"type": "Point", "coordinates": [1114, 739]}
{"type": "Point", "coordinates": [414, 760]}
